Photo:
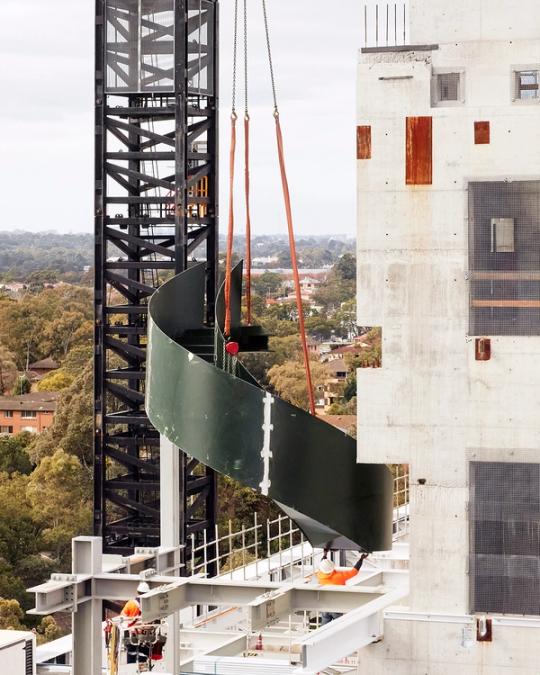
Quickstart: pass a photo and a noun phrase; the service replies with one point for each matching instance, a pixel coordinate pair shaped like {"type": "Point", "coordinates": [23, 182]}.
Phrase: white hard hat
{"type": "Point", "coordinates": [326, 566]}
{"type": "Point", "coordinates": [143, 587]}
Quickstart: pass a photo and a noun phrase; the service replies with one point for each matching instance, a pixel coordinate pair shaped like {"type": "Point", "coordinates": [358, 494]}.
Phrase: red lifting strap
{"type": "Point", "coordinates": [248, 221]}
{"type": "Point", "coordinates": [292, 245]}
{"type": "Point", "coordinates": [230, 233]}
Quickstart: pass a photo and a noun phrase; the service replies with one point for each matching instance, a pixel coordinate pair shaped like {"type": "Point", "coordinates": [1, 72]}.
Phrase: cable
{"type": "Point", "coordinates": [230, 232]}
{"type": "Point", "coordinates": [269, 48]}
{"type": "Point", "coordinates": [246, 170]}
{"type": "Point", "coordinates": [235, 52]}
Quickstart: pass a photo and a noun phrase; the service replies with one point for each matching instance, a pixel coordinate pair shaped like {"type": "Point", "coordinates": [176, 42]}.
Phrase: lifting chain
{"type": "Point", "coordinates": [270, 61]}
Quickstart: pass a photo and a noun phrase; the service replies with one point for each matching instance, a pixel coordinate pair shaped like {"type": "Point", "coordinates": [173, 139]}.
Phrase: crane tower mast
{"type": "Point", "coordinates": [156, 193]}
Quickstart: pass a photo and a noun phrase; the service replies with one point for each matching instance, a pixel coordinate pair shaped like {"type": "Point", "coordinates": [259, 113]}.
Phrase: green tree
{"type": "Point", "coordinates": [12, 587]}
{"type": "Point", "coordinates": [19, 533]}
{"type": "Point", "coordinates": [350, 387]}
{"type": "Point", "coordinates": [58, 380]}
{"type": "Point", "coordinates": [48, 322]}
{"type": "Point", "coordinates": [370, 353]}
{"type": "Point", "coordinates": [322, 328]}
{"type": "Point", "coordinates": [48, 630]}
{"type": "Point", "coordinates": [22, 386]}
{"type": "Point", "coordinates": [289, 381]}
{"type": "Point", "coordinates": [267, 283]}
{"type": "Point", "coordinates": [77, 359]}
{"type": "Point", "coordinates": [343, 408]}
{"type": "Point", "coordinates": [35, 569]}
{"type": "Point", "coordinates": [66, 330]}
{"type": "Point", "coordinates": [14, 457]}
{"type": "Point", "coordinates": [8, 371]}
{"type": "Point", "coordinates": [345, 267]}
{"type": "Point", "coordinates": [281, 349]}
{"type": "Point", "coordinates": [59, 492]}
{"type": "Point", "coordinates": [238, 504]}
{"type": "Point", "coordinates": [345, 316]}
{"type": "Point", "coordinates": [11, 615]}
{"type": "Point", "coordinates": [72, 428]}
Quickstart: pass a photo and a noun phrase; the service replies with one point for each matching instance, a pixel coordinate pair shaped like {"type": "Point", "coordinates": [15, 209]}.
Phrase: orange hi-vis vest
{"type": "Point", "coordinates": [337, 577]}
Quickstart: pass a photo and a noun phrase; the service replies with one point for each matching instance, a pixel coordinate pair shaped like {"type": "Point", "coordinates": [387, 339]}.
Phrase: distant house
{"type": "Point", "coordinates": [13, 289]}
{"type": "Point", "coordinates": [337, 369]}
{"type": "Point", "coordinates": [31, 412]}
{"type": "Point", "coordinates": [338, 352]}
{"type": "Point", "coordinates": [40, 369]}
{"type": "Point", "coordinates": [345, 423]}
{"type": "Point", "coordinates": [313, 347]}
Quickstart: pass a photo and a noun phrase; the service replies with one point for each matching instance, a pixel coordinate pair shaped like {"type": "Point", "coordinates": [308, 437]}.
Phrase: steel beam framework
{"type": "Point", "coordinates": [156, 193]}
{"type": "Point", "coordinates": [264, 603]}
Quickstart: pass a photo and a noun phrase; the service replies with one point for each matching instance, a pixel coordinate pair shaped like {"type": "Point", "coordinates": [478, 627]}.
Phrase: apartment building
{"type": "Point", "coordinates": [449, 267]}
{"type": "Point", "coordinates": [31, 412]}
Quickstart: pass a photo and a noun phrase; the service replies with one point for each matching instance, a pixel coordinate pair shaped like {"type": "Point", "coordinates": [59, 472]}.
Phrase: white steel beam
{"type": "Point", "coordinates": [169, 490]}
{"type": "Point", "coordinates": [346, 635]}
{"type": "Point", "coordinates": [86, 620]}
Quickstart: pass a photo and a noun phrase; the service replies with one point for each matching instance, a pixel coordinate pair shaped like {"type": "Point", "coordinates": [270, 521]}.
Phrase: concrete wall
{"type": "Point", "coordinates": [432, 404]}
{"type": "Point", "coordinates": [425, 647]}
{"type": "Point", "coordinates": [439, 21]}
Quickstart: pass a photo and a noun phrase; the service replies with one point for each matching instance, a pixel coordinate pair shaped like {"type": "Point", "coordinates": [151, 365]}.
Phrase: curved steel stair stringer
{"type": "Point", "coordinates": [232, 425]}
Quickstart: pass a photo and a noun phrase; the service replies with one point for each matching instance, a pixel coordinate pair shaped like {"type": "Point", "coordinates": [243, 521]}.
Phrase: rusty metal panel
{"type": "Point", "coordinates": [419, 151]}
{"type": "Point", "coordinates": [481, 133]}
{"type": "Point", "coordinates": [363, 142]}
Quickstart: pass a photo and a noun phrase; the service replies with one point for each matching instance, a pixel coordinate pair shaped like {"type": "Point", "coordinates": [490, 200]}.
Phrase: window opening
{"type": "Point", "coordinates": [504, 258]}
{"type": "Point", "coordinates": [448, 86]}
{"type": "Point", "coordinates": [526, 84]}
{"type": "Point", "coordinates": [505, 537]}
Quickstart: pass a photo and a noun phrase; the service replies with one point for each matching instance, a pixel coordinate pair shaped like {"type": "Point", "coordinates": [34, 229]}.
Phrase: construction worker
{"type": "Point", "coordinates": [329, 576]}
{"type": "Point", "coordinates": [132, 611]}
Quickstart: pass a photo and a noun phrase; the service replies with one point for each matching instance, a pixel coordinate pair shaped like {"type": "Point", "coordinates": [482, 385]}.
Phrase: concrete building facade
{"type": "Point", "coordinates": [449, 267]}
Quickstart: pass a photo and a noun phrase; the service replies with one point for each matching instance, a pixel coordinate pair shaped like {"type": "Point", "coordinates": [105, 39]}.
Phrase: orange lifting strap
{"type": "Point", "coordinates": [286, 197]}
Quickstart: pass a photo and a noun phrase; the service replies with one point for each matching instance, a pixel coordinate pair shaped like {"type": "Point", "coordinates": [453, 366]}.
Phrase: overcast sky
{"type": "Point", "coordinates": [46, 129]}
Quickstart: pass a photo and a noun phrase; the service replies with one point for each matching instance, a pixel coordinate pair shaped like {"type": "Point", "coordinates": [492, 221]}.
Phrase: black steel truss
{"type": "Point", "coordinates": [156, 198]}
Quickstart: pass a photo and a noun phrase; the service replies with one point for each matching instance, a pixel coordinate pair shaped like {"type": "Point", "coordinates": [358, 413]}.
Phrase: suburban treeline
{"type": "Point", "coordinates": [49, 257]}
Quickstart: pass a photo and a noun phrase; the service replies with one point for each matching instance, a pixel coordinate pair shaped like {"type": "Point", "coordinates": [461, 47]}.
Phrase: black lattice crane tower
{"type": "Point", "coordinates": [156, 192]}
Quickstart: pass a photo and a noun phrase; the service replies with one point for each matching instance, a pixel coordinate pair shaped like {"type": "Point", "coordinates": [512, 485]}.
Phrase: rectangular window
{"type": "Point", "coordinates": [6, 430]}
{"type": "Point", "coordinates": [526, 83]}
{"type": "Point", "coordinates": [448, 87]}
{"type": "Point", "coordinates": [505, 537]}
{"type": "Point", "coordinates": [28, 414]}
{"type": "Point", "coordinates": [504, 258]}
{"type": "Point", "coordinates": [8, 413]}
{"type": "Point", "coordinates": [30, 430]}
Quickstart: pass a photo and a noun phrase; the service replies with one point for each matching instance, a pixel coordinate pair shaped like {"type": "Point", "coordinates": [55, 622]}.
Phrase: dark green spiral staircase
{"type": "Point", "coordinates": [206, 403]}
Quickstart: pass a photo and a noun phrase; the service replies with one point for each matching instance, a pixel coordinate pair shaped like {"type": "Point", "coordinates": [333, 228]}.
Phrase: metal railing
{"type": "Point", "coordinates": [245, 549]}
{"type": "Point", "coordinates": [385, 24]}
{"type": "Point", "coordinates": [401, 500]}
